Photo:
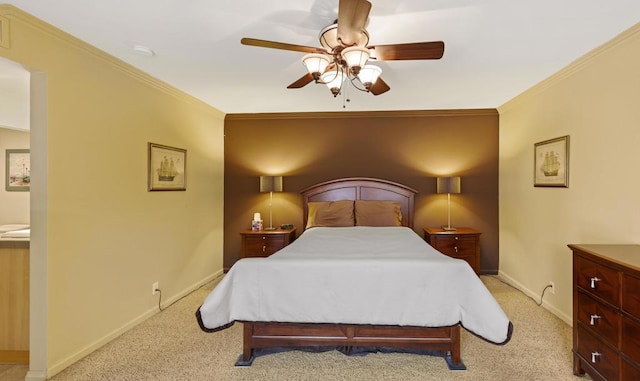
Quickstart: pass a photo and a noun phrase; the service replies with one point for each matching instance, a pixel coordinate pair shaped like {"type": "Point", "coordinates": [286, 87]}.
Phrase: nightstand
{"type": "Point", "coordinates": [462, 243]}
{"type": "Point", "coordinates": [265, 242]}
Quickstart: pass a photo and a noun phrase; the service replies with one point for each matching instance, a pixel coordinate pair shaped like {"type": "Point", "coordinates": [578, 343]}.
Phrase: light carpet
{"type": "Point", "coordinates": [171, 346]}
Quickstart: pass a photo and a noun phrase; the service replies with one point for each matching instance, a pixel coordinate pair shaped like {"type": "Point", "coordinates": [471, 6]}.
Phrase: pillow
{"type": "Point", "coordinates": [378, 213]}
{"type": "Point", "coordinates": [330, 213]}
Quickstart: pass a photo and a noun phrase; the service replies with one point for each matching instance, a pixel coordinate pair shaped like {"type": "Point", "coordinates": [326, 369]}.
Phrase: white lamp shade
{"type": "Point", "coordinates": [369, 74]}
{"type": "Point", "coordinates": [333, 79]}
{"type": "Point", "coordinates": [355, 56]}
{"type": "Point", "coordinates": [316, 62]}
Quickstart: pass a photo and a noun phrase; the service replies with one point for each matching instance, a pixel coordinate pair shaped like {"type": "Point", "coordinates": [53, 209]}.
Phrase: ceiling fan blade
{"type": "Point", "coordinates": [280, 45]}
{"type": "Point", "coordinates": [379, 87]}
{"type": "Point", "coordinates": [303, 81]}
{"type": "Point", "coordinates": [411, 51]}
{"type": "Point", "coordinates": [352, 19]}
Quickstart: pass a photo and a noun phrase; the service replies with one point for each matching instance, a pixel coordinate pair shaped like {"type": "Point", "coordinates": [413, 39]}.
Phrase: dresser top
{"type": "Point", "coordinates": [626, 255]}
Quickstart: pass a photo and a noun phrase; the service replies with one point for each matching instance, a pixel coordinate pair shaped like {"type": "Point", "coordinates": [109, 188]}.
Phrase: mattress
{"type": "Point", "coordinates": [357, 275]}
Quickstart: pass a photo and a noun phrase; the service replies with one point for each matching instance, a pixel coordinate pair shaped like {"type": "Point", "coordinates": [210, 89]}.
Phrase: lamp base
{"type": "Point", "coordinates": [448, 228]}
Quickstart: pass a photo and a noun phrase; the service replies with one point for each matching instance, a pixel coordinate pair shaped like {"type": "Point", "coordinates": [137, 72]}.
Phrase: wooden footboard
{"type": "Point", "coordinates": [274, 335]}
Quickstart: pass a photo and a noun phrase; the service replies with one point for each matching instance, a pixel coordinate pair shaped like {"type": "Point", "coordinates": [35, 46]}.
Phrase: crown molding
{"type": "Point", "coordinates": [5, 40]}
{"type": "Point", "coordinates": [10, 12]}
{"type": "Point", "coordinates": [574, 67]}
{"type": "Point", "coordinates": [364, 114]}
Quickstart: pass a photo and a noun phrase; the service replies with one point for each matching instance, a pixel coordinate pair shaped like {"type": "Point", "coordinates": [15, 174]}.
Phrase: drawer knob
{"type": "Point", "coordinates": [264, 248]}
{"type": "Point", "coordinates": [595, 356]}
{"type": "Point", "coordinates": [594, 319]}
{"type": "Point", "coordinates": [456, 238]}
{"type": "Point", "coordinates": [455, 248]}
{"type": "Point", "coordinates": [593, 282]}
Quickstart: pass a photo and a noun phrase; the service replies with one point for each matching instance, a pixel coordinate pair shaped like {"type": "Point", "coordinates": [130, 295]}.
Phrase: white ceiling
{"type": "Point", "coordinates": [494, 49]}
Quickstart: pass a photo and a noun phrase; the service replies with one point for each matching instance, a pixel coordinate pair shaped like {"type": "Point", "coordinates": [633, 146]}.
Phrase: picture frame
{"type": "Point", "coordinates": [18, 170]}
{"type": "Point", "coordinates": [551, 163]}
{"type": "Point", "coordinates": [167, 168]}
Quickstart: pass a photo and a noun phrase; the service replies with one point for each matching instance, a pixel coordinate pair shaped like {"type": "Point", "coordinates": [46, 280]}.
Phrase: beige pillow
{"type": "Point", "coordinates": [378, 213]}
{"type": "Point", "coordinates": [330, 213]}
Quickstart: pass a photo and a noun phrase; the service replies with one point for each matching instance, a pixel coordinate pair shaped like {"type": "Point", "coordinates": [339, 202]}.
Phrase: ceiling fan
{"type": "Point", "coordinates": [345, 52]}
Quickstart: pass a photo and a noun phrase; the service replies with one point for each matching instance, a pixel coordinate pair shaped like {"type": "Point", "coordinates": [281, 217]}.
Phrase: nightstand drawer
{"type": "Point", "coordinates": [462, 243]}
{"type": "Point", "coordinates": [260, 246]}
{"type": "Point", "coordinates": [265, 243]}
{"type": "Point", "coordinates": [457, 246]}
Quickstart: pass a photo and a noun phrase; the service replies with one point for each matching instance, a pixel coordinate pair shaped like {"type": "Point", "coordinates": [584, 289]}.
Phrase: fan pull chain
{"type": "Point", "coordinates": [345, 97]}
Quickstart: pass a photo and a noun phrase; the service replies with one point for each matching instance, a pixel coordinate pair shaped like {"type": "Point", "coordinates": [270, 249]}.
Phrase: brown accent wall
{"type": "Point", "coordinates": [408, 147]}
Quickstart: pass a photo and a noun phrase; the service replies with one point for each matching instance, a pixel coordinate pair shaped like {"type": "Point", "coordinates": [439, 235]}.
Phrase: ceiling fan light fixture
{"type": "Point", "coordinates": [316, 64]}
{"type": "Point", "coordinates": [329, 38]}
{"type": "Point", "coordinates": [369, 75]}
{"type": "Point", "coordinates": [356, 57]}
{"type": "Point", "coordinates": [333, 79]}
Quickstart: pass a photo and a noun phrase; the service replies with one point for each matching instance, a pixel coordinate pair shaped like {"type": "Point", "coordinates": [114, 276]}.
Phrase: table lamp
{"type": "Point", "coordinates": [270, 184]}
{"type": "Point", "coordinates": [448, 185]}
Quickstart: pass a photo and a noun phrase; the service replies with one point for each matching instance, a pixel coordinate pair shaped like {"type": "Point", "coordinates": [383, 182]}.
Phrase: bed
{"type": "Point", "coordinates": [367, 283]}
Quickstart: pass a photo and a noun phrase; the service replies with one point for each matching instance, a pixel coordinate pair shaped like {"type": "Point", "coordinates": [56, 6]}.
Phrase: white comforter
{"type": "Point", "coordinates": [357, 275]}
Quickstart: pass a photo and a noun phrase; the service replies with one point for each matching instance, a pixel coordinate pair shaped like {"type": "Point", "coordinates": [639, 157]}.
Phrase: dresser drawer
{"type": "Point", "coordinates": [456, 246]}
{"type": "Point", "coordinates": [598, 355]}
{"type": "Point", "coordinates": [598, 280]}
{"type": "Point", "coordinates": [631, 295]}
{"type": "Point", "coordinates": [630, 372]}
{"type": "Point", "coordinates": [601, 319]}
{"type": "Point", "coordinates": [631, 339]}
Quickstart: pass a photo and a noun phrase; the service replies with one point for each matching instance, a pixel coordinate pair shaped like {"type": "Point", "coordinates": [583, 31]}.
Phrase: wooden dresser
{"type": "Point", "coordinates": [265, 242]}
{"type": "Point", "coordinates": [462, 243]}
{"type": "Point", "coordinates": [606, 311]}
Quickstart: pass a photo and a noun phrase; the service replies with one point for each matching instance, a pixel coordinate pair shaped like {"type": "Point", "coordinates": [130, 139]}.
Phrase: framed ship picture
{"type": "Point", "coordinates": [18, 171]}
{"type": "Point", "coordinates": [551, 163]}
{"type": "Point", "coordinates": [167, 168]}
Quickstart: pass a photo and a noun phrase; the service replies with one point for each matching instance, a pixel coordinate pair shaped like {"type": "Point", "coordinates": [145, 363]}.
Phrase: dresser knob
{"type": "Point", "coordinates": [593, 282]}
{"type": "Point", "coordinates": [455, 248]}
{"type": "Point", "coordinates": [594, 319]}
{"type": "Point", "coordinates": [264, 248]}
{"type": "Point", "coordinates": [456, 238]}
{"type": "Point", "coordinates": [595, 356]}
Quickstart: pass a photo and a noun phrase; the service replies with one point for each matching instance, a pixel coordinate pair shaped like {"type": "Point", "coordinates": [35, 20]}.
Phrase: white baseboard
{"type": "Point", "coordinates": [536, 296]}
{"type": "Point", "coordinates": [60, 366]}
{"type": "Point", "coordinates": [36, 375]}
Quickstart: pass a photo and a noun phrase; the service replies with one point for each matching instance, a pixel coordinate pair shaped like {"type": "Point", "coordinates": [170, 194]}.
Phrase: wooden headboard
{"type": "Point", "coordinates": [361, 188]}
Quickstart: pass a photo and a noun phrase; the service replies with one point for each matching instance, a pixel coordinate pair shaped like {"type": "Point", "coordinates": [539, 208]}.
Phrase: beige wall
{"type": "Point", "coordinates": [107, 238]}
{"type": "Point", "coordinates": [595, 101]}
{"type": "Point", "coordinates": [15, 205]}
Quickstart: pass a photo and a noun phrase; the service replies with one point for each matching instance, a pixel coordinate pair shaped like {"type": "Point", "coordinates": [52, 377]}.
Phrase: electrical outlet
{"type": "Point", "coordinates": [154, 288]}
{"type": "Point", "coordinates": [553, 287]}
